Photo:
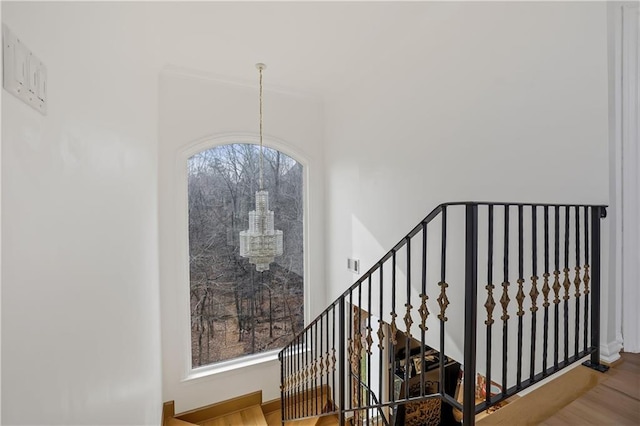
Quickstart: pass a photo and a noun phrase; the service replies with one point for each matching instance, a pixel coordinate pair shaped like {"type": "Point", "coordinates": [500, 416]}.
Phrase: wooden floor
{"type": "Point", "coordinates": [614, 401]}
{"type": "Point", "coordinates": [251, 416]}
{"type": "Point", "coordinates": [580, 397]}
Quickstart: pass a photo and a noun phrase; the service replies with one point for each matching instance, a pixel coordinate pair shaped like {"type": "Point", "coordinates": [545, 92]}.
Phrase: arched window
{"type": "Point", "coordinates": [236, 310]}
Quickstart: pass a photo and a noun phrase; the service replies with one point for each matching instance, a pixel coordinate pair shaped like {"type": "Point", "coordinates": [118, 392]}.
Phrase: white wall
{"type": "Point", "coordinates": [624, 54]}
{"type": "Point", "coordinates": [80, 299]}
{"type": "Point", "coordinates": [425, 102]}
{"type": "Point", "coordinates": [631, 177]}
{"type": "Point", "coordinates": [197, 112]}
{"type": "Point", "coordinates": [480, 101]}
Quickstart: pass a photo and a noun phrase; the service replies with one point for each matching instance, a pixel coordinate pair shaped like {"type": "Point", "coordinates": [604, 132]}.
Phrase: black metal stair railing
{"type": "Point", "coordinates": [378, 347]}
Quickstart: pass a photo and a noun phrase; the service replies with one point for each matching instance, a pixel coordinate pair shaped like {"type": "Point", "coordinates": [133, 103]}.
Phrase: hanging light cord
{"type": "Point", "coordinates": [260, 68]}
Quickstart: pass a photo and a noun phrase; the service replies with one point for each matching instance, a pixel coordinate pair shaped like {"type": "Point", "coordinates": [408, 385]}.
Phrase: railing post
{"type": "Point", "coordinates": [597, 213]}
{"type": "Point", "coordinates": [282, 394]}
{"type": "Point", "coordinates": [470, 313]}
{"type": "Point", "coordinates": [341, 361]}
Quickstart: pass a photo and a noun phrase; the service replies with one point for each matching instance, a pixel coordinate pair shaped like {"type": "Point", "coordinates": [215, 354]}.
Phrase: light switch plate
{"type": "Point", "coordinates": [353, 265]}
{"type": "Point", "coordinates": [24, 75]}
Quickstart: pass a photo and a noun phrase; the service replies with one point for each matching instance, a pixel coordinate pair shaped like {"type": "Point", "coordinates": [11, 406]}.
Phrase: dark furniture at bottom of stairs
{"type": "Point", "coordinates": [428, 412]}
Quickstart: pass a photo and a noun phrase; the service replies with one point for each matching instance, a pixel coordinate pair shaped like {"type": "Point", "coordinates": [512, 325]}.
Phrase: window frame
{"type": "Point", "coordinates": [182, 221]}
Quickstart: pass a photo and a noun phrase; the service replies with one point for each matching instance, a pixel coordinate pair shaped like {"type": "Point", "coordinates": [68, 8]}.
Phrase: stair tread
{"type": "Point", "coordinates": [328, 420]}
{"type": "Point", "coordinates": [177, 422]}
{"type": "Point", "coordinates": [274, 418]}
{"type": "Point", "coordinates": [251, 416]}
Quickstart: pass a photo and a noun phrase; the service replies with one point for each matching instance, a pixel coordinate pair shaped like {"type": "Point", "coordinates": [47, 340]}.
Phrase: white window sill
{"type": "Point", "coordinates": [208, 371]}
{"type": "Point", "coordinates": [231, 365]}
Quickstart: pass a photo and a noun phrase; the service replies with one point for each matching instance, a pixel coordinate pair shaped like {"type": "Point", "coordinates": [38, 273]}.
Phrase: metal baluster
{"type": "Point", "coordinates": [358, 351]}
{"type": "Point", "coordinates": [301, 356]}
{"type": "Point", "coordinates": [442, 299]}
{"type": "Point", "coordinates": [393, 329]}
{"type": "Point", "coordinates": [315, 369]}
{"type": "Point", "coordinates": [314, 365]}
{"type": "Point", "coordinates": [566, 284]}
{"type": "Point", "coordinates": [556, 288]}
{"type": "Point", "coordinates": [289, 407]}
{"type": "Point", "coordinates": [351, 349]}
{"type": "Point", "coordinates": [309, 370]}
{"type": "Point", "coordinates": [333, 355]}
{"type": "Point", "coordinates": [320, 363]}
{"type": "Point", "coordinates": [303, 348]}
{"type": "Point", "coordinates": [291, 391]}
{"type": "Point", "coordinates": [369, 343]}
{"type": "Point", "coordinates": [577, 281]}
{"type": "Point", "coordinates": [520, 294]}
{"type": "Point", "coordinates": [341, 360]}
{"type": "Point", "coordinates": [470, 314]}
{"type": "Point", "coordinates": [303, 385]}
{"type": "Point", "coordinates": [545, 291]}
{"type": "Point", "coordinates": [504, 300]}
{"type": "Point", "coordinates": [283, 378]}
{"type": "Point", "coordinates": [490, 304]}
{"type": "Point", "coordinates": [424, 312]}
{"type": "Point", "coordinates": [327, 361]}
{"type": "Point", "coordinates": [294, 379]}
{"type": "Point", "coordinates": [283, 382]}
{"type": "Point", "coordinates": [586, 278]}
{"type": "Point", "coordinates": [407, 322]}
{"type": "Point", "coordinates": [534, 288]}
{"type": "Point", "coordinates": [380, 334]}
{"type": "Point", "coordinates": [284, 404]}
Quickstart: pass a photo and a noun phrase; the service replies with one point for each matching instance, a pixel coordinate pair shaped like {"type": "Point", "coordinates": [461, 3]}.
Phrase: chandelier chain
{"type": "Point", "coordinates": [261, 152]}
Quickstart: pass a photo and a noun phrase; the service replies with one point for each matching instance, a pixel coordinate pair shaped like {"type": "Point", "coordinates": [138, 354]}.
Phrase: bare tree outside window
{"type": "Point", "coordinates": [235, 310]}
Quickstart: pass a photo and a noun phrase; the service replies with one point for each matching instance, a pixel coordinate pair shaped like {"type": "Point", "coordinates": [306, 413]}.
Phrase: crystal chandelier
{"type": "Point", "coordinates": [261, 243]}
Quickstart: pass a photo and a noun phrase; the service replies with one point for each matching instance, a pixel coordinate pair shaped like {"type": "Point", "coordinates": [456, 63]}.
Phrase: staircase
{"type": "Point", "coordinates": [247, 410]}
{"type": "Point", "coordinates": [437, 331]}
{"type": "Point", "coordinates": [567, 393]}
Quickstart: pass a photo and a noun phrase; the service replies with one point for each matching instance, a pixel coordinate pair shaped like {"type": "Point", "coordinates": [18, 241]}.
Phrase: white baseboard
{"type": "Point", "coordinates": [610, 352]}
{"type": "Point", "coordinates": [553, 376]}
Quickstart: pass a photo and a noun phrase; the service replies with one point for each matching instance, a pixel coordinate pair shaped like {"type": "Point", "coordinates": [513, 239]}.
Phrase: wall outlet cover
{"type": "Point", "coordinates": [24, 75]}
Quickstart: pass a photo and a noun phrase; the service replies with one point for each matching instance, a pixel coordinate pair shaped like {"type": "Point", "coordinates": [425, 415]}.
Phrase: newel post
{"type": "Point", "coordinates": [597, 213]}
{"type": "Point", "coordinates": [470, 313]}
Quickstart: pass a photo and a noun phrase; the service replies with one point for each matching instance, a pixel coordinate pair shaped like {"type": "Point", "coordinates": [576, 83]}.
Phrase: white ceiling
{"type": "Point", "coordinates": [317, 47]}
